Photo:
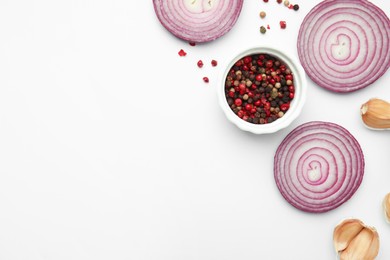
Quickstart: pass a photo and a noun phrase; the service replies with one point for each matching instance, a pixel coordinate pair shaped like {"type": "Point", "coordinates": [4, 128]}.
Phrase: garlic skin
{"type": "Point", "coordinates": [375, 114]}
{"type": "Point", "coordinates": [353, 240]}
{"type": "Point", "coordinates": [386, 207]}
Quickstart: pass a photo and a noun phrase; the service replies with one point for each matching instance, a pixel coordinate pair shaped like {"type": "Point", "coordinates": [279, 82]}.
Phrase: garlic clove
{"type": "Point", "coordinates": [362, 246]}
{"type": "Point", "coordinates": [376, 114]}
{"type": "Point", "coordinates": [386, 207]}
{"type": "Point", "coordinates": [345, 232]}
{"type": "Point", "coordinates": [374, 248]}
{"type": "Point", "coordinates": [354, 240]}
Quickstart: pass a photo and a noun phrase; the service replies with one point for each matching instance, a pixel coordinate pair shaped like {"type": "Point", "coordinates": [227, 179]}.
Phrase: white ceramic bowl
{"type": "Point", "coordinates": [296, 104]}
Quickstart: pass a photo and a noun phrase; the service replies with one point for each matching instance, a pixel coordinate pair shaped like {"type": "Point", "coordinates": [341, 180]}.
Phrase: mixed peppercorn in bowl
{"type": "Point", "coordinates": [262, 90]}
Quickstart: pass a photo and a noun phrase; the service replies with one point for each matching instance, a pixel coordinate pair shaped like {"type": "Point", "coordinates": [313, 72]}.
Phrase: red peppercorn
{"type": "Point", "coordinates": [291, 88]}
{"type": "Point", "coordinates": [238, 63]}
{"type": "Point", "coordinates": [269, 64]}
{"type": "Point", "coordinates": [240, 114]}
{"type": "Point", "coordinates": [192, 43]}
{"type": "Point", "coordinates": [238, 102]}
{"type": "Point", "coordinates": [245, 68]}
{"type": "Point", "coordinates": [279, 1]}
{"type": "Point", "coordinates": [288, 77]}
{"type": "Point", "coordinates": [214, 63]}
{"type": "Point", "coordinates": [291, 95]}
{"type": "Point", "coordinates": [206, 79]}
{"type": "Point", "coordinates": [182, 53]}
{"type": "Point", "coordinates": [284, 107]}
{"type": "Point", "coordinates": [253, 110]}
{"type": "Point", "coordinates": [200, 63]}
{"type": "Point", "coordinates": [242, 87]}
{"type": "Point", "coordinates": [248, 107]}
{"type": "Point", "coordinates": [247, 59]}
{"type": "Point", "coordinates": [231, 94]}
{"type": "Point", "coordinates": [283, 24]}
{"type": "Point", "coordinates": [259, 77]}
{"type": "Point", "coordinates": [257, 103]}
{"type": "Point", "coordinates": [268, 27]}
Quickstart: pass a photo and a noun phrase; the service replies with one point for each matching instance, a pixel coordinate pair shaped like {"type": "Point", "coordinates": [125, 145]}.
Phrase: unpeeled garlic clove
{"type": "Point", "coordinates": [345, 232]}
{"type": "Point", "coordinates": [354, 240]}
{"type": "Point", "coordinates": [386, 207]}
{"type": "Point", "coordinates": [376, 114]}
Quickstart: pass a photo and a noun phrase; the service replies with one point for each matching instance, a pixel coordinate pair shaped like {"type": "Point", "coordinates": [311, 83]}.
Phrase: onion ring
{"type": "Point", "coordinates": [198, 20]}
{"type": "Point", "coordinates": [344, 45]}
{"type": "Point", "coordinates": [318, 166]}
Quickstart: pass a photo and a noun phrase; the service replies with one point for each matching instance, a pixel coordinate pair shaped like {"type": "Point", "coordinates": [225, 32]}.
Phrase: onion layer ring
{"type": "Point", "coordinates": [318, 166]}
{"type": "Point", "coordinates": [198, 20]}
{"type": "Point", "coordinates": [344, 45]}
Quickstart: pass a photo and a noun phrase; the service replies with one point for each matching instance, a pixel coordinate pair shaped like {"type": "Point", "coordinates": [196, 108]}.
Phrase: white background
{"type": "Point", "coordinates": [112, 147]}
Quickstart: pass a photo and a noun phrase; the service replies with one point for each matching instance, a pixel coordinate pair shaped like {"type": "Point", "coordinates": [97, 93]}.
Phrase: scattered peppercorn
{"type": "Point", "coordinates": [262, 14]}
{"type": "Point", "coordinates": [266, 1]}
{"type": "Point", "coordinates": [182, 53]}
{"type": "Point", "coordinates": [283, 24]}
{"type": "Point", "coordinates": [286, 3]}
{"type": "Point", "coordinates": [268, 27]}
{"type": "Point", "coordinates": [206, 79]}
{"type": "Point", "coordinates": [290, 6]}
{"type": "Point", "coordinates": [261, 94]}
{"type": "Point", "coordinates": [263, 30]}
{"type": "Point", "coordinates": [214, 63]}
{"type": "Point", "coordinates": [296, 7]}
{"type": "Point", "coordinates": [200, 63]}
{"type": "Point", "coordinates": [192, 43]}
{"type": "Point", "coordinates": [279, 1]}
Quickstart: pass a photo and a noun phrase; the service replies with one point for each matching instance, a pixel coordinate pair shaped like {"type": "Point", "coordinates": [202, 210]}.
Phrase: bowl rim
{"type": "Point", "coordinates": [296, 105]}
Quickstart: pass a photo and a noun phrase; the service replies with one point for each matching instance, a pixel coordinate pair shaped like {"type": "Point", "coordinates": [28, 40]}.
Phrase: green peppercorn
{"type": "Point", "coordinates": [263, 30]}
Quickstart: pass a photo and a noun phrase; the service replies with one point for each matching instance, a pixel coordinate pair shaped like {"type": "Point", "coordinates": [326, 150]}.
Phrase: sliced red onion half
{"type": "Point", "coordinates": [198, 20]}
{"type": "Point", "coordinates": [318, 166]}
{"type": "Point", "coordinates": [344, 45]}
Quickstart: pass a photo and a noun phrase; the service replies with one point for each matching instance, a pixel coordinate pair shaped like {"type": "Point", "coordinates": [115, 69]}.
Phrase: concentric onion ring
{"type": "Point", "coordinates": [344, 45]}
{"type": "Point", "coordinates": [318, 166]}
{"type": "Point", "coordinates": [198, 20]}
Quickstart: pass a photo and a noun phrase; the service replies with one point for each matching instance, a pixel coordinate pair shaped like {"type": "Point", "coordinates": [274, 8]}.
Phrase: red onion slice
{"type": "Point", "coordinates": [344, 45]}
{"type": "Point", "coordinates": [198, 20]}
{"type": "Point", "coordinates": [318, 166]}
